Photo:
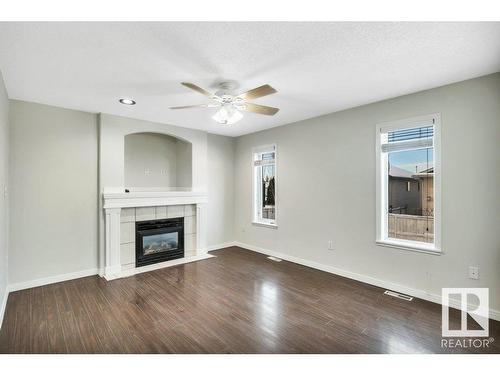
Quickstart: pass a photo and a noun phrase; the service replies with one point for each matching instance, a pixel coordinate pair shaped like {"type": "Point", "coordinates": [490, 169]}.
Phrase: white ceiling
{"type": "Point", "coordinates": [317, 68]}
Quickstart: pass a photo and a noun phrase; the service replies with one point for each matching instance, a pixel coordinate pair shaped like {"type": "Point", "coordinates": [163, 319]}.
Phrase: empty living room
{"type": "Point", "coordinates": [246, 187]}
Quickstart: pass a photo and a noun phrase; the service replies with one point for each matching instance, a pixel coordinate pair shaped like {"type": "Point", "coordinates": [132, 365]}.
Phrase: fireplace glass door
{"type": "Point", "coordinates": [159, 241]}
{"type": "Point", "coordinates": [156, 243]}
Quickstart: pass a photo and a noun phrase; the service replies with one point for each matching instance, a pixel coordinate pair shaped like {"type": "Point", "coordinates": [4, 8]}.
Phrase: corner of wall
{"type": "Point", "coordinates": [221, 152]}
{"type": "Point", "coordinates": [4, 197]}
{"type": "Point", "coordinates": [100, 227]}
{"type": "Point", "coordinates": [234, 142]}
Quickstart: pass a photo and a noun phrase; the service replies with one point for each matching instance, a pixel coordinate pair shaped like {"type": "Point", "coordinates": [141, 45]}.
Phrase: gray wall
{"type": "Point", "coordinates": [220, 181]}
{"type": "Point", "coordinates": [326, 190]}
{"type": "Point", "coordinates": [4, 202]}
{"type": "Point", "coordinates": [184, 174]}
{"type": "Point", "coordinates": [53, 179]}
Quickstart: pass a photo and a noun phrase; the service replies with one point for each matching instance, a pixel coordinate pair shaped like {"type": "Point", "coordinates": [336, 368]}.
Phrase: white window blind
{"type": "Point", "coordinates": [264, 162]}
{"type": "Point", "coordinates": [408, 139]}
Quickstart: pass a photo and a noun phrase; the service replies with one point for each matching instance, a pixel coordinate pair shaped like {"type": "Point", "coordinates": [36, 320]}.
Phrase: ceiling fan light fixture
{"type": "Point", "coordinates": [227, 115]}
{"type": "Point", "coordinates": [230, 106]}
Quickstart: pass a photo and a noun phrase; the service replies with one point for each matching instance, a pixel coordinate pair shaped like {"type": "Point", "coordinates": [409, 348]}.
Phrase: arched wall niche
{"type": "Point", "coordinates": [112, 132]}
{"type": "Point", "coordinates": [157, 161]}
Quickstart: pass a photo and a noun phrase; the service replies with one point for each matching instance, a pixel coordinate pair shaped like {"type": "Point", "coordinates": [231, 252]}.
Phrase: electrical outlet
{"type": "Point", "coordinates": [147, 172]}
{"type": "Point", "coordinates": [330, 245]}
{"type": "Point", "coordinates": [473, 272]}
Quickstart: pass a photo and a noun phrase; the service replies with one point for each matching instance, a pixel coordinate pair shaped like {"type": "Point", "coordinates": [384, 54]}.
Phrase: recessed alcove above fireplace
{"type": "Point", "coordinates": [159, 161]}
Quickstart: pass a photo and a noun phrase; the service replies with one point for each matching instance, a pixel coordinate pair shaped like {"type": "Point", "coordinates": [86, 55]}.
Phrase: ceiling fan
{"type": "Point", "coordinates": [230, 104]}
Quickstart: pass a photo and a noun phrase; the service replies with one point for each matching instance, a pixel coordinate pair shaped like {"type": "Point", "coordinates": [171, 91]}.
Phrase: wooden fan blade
{"type": "Point", "coordinates": [190, 106]}
{"type": "Point", "coordinates": [258, 92]}
{"type": "Point", "coordinates": [208, 105]}
{"type": "Point", "coordinates": [260, 109]}
{"type": "Point", "coordinates": [192, 86]}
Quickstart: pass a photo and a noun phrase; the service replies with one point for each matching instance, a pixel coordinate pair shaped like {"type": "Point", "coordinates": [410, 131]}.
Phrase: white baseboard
{"type": "Point", "coordinates": [418, 293]}
{"type": "Point", "coordinates": [3, 305]}
{"type": "Point", "coordinates": [52, 279]}
{"type": "Point", "coordinates": [84, 273]}
{"type": "Point", "coordinates": [221, 246]}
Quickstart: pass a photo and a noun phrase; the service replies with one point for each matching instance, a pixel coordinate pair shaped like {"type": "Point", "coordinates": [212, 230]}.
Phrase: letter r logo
{"type": "Point", "coordinates": [473, 303]}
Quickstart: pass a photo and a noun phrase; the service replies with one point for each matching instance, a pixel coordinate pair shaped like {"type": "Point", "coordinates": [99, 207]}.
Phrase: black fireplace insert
{"type": "Point", "coordinates": [158, 241]}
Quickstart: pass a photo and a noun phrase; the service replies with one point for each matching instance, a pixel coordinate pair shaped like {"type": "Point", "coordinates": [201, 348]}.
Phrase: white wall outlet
{"type": "Point", "coordinates": [330, 245]}
{"type": "Point", "coordinates": [147, 172]}
{"type": "Point", "coordinates": [473, 272]}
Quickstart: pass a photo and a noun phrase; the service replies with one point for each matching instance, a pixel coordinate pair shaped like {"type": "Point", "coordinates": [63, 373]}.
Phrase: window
{"type": "Point", "coordinates": [264, 191]}
{"type": "Point", "coordinates": [408, 184]}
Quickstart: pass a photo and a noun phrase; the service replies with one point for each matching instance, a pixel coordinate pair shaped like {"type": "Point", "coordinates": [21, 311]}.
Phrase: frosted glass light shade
{"type": "Point", "coordinates": [227, 115]}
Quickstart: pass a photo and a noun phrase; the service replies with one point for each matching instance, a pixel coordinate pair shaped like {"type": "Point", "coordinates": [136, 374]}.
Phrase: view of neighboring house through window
{"type": "Point", "coordinates": [410, 195]}
{"type": "Point", "coordinates": [264, 159]}
{"type": "Point", "coordinates": [407, 189]}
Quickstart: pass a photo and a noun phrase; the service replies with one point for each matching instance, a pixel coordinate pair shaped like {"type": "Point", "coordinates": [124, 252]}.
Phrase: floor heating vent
{"type": "Point", "coordinates": [398, 295]}
{"type": "Point", "coordinates": [274, 259]}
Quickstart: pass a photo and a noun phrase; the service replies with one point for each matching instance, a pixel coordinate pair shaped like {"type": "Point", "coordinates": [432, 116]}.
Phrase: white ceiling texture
{"type": "Point", "coordinates": [317, 68]}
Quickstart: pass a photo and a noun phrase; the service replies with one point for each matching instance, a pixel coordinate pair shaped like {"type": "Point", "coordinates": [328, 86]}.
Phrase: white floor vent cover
{"type": "Point", "coordinates": [274, 259]}
{"type": "Point", "coordinates": [398, 295]}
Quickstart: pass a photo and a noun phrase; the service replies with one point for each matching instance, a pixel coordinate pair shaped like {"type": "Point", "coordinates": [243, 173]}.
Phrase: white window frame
{"type": "Point", "coordinates": [381, 187]}
{"type": "Point", "coordinates": [256, 219]}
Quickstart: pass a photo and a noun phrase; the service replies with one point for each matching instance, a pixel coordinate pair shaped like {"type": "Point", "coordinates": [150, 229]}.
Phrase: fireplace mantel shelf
{"type": "Point", "coordinates": [152, 198]}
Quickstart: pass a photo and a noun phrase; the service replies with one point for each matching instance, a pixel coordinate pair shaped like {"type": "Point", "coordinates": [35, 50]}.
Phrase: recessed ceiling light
{"type": "Point", "coordinates": [127, 101]}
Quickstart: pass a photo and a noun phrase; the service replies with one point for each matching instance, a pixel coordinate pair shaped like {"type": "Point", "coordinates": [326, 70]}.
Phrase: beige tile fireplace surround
{"type": "Point", "coordinates": [129, 216]}
{"type": "Point", "coordinates": [123, 210]}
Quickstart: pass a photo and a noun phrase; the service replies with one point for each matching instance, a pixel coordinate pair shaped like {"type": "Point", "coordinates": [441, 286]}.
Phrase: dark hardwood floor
{"type": "Point", "coordinates": [238, 302]}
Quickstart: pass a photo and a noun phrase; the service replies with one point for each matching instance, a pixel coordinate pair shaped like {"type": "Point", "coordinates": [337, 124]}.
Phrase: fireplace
{"type": "Point", "coordinates": [159, 241]}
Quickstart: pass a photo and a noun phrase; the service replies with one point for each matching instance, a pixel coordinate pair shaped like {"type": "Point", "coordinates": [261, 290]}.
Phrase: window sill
{"type": "Point", "coordinates": [410, 246]}
{"type": "Point", "coordinates": [267, 225]}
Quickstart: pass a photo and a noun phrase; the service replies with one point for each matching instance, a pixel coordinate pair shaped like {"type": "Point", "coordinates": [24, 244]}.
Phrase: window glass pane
{"type": "Point", "coordinates": [268, 190]}
{"type": "Point", "coordinates": [265, 185]}
{"type": "Point", "coordinates": [411, 194]}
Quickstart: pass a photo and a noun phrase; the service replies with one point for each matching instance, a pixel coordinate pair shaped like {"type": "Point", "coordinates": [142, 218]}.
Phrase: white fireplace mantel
{"type": "Point", "coordinates": [151, 198]}
{"type": "Point", "coordinates": [114, 201]}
